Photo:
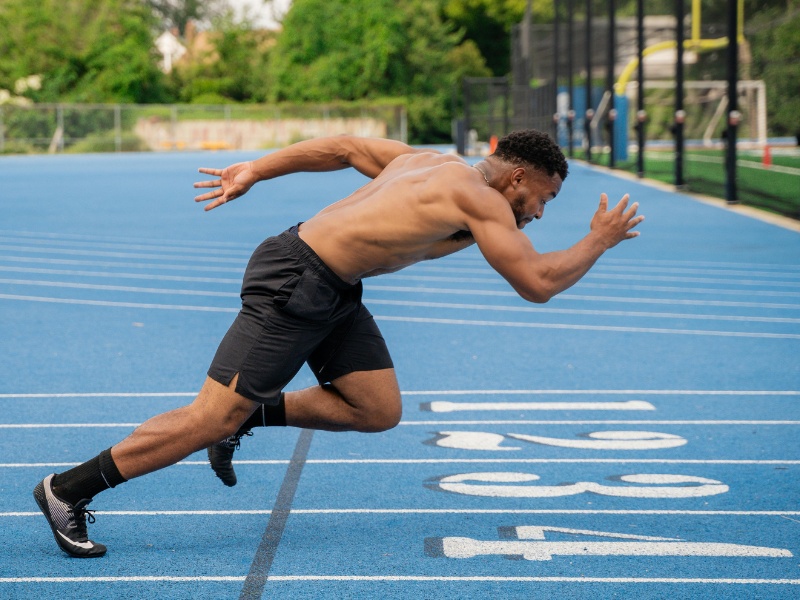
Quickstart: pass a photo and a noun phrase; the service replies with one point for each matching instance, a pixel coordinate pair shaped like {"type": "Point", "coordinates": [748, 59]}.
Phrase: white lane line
{"type": "Point", "coordinates": [627, 422]}
{"type": "Point", "coordinates": [429, 511]}
{"type": "Point", "coordinates": [129, 255]}
{"type": "Point", "coordinates": [399, 578]}
{"type": "Point", "coordinates": [48, 244]}
{"type": "Point", "coordinates": [610, 328]}
{"type": "Point", "coordinates": [453, 461]}
{"type": "Point", "coordinates": [499, 280]}
{"type": "Point", "coordinates": [599, 391]}
{"type": "Point", "coordinates": [205, 244]}
{"type": "Point", "coordinates": [417, 290]}
{"type": "Point", "coordinates": [186, 307]}
{"type": "Point", "coordinates": [104, 395]}
{"type": "Point", "coordinates": [582, 298]}
{"type": "Point", "coordinates": [574, 311]}
{"type": "Point", "coordinates": [447, 305]}
{"type": "Point", "coordinates": [684, 289]}
{"type": "Point", "coordinates": [634, 274]}
{"type": "Point", "coordinates": [619, 329]}
{"type": "Point", "coordinates": [490, 392]}
{"type": "Point", "coordinates": [108, 274]}
{"type": "Point", "coordinates": [96, 263]}
{"type": "Point", "coordinates": [123, 288]}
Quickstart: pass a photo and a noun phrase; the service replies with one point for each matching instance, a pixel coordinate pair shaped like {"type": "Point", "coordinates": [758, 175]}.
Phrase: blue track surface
{"type": "Point", "coordinates": [638, 435]}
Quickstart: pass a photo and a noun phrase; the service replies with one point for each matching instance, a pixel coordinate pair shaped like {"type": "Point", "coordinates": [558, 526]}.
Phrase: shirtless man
{"type": "Point", "coordinates": [301, 298]}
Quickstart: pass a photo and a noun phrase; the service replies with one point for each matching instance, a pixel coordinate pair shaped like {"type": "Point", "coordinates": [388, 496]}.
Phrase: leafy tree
{"type": "Point", "coordinates": [85, 50]}
{"type": "Point", "coordinates": [233, 70]}
{"type": "Point", "coordinates": [355, 49]}
{"type": "Point", "coordinates": [178, 13]}
{"type": "Point", "coordinates": [488, 24]}
{"type": "Point", "coordinates": [776, 54]}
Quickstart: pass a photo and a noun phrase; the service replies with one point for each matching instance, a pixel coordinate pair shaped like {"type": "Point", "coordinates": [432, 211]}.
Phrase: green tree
{"type": "Point", "coordinates": [178, 13]}
{"type": "Point", "coordinates": [85, 50]}
{"type": "Point", "coordinates": [776, 58]}
{"type": "Point", "coordinates": [356, 49]}
{"type": "Point", "coordinates": [235, 68]}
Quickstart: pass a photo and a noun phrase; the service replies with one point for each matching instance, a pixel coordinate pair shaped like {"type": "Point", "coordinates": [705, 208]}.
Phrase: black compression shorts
{"type": "Point", "coordinates": [295, 310]}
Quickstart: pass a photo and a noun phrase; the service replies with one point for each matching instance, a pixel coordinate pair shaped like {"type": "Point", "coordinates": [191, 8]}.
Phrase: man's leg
{"type": "Point", "coordinates": [216, 413]}
{"type": "Point", "coordinates": [367, 401]}
{"type": "Point", "coordinates": [159, 442]}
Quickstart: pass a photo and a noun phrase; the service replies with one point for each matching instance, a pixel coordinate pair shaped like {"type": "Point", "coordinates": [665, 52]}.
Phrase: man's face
{"type": "Point", "coordinates": [532, 191]}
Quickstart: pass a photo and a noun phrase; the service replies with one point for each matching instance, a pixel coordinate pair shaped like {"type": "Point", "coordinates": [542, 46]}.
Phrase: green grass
{"type": "Point", "coordinates": [704, 173]}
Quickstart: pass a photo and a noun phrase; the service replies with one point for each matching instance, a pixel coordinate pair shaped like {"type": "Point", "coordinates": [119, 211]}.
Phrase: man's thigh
{"type": "Point", "coordinates": [374, 392]}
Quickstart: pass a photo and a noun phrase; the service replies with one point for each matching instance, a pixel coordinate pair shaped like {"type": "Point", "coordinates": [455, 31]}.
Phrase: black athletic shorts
{"type": "Point", "coordinates": [295, 310]}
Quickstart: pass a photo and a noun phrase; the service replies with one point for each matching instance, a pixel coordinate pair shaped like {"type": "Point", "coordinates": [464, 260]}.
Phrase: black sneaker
{"type": "Point", "coordinates": [221, 454]}
{"type": "Point", "coordinates": [67, 521]}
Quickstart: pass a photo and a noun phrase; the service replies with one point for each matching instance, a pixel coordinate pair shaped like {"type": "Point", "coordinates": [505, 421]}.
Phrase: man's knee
{"type": "Point", "coordinates": [381, 416]}
{"type": "Point", "coordinates": [219, 411]}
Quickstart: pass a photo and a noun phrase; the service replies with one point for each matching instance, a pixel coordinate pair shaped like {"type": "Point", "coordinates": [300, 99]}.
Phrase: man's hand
{"type": "Point", "coordinates": [616, 224]}
{"type": "Point", "coordinates": [234, 181]}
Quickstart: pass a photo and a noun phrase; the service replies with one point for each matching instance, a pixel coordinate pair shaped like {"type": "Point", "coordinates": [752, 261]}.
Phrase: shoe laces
{"type": "Point", "coordinates": [235, 441]}
{"type": "Point", "coordinates": [80, 514]}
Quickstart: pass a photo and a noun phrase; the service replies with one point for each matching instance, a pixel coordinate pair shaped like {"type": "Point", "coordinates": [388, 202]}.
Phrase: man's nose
{"type": "Point", "coordinates": [539, 213]}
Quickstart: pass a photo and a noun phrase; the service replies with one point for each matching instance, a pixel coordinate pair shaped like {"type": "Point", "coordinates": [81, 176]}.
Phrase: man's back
{"type": "Point", "coordinates": [410, 212]}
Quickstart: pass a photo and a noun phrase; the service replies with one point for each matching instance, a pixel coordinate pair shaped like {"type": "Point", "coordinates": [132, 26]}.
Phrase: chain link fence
{"type": "Point", "coordinates": [150, 127]}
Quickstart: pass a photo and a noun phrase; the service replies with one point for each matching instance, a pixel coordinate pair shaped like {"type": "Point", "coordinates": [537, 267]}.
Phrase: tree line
{"type": "Point", "coordinates": [415, 52]}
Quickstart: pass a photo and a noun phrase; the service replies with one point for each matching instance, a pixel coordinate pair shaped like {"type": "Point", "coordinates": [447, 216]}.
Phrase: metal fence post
{"type": "Point", "coordinates": [612, 111]}
{"type": "Point", "coordinates": [589, 113]}
{"type": "Point", "coordinates": [641, 116]}
{"type": "Point", "coordinates": [680, 114]}
{"type": "Point", "coordinates": [118, 128]}
{"type": "Point", "coordinates": [734, 116]}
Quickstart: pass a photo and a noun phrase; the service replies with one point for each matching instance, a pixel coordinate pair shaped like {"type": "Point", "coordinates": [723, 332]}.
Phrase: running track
{"type": "Point", "coordinates": [638, 435]}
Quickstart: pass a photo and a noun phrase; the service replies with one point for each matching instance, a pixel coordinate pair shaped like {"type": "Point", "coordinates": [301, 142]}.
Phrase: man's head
{"type": "Point", "coordinates": [533, 169]}
{"type": "Point", "coordinates": [533, 148]}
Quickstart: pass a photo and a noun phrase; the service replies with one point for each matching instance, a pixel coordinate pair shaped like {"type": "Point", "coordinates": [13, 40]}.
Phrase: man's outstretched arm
{"type": "Point", "coordinates": [369, 156]}
{"type": "Point", "coordinates": [538, 277]}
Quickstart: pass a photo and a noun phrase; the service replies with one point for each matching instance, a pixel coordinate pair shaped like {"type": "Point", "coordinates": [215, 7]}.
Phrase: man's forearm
{"type": "Point", "coordinates": [562, 269]}
{"type": "Point", "coordinates": [323, 154]}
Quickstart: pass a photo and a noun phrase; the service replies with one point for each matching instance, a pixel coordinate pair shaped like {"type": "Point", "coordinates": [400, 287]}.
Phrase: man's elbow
{"type": "Point", "coordinates": [539, 294]}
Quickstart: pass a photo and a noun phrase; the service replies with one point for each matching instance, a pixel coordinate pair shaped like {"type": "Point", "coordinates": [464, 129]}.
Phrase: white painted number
{"type": "Point", "coordinates": [650, 486]}
{"type": "Point", "coordinates": [540, 549]}
{"type": "Point", "coordinates": [599, 440]}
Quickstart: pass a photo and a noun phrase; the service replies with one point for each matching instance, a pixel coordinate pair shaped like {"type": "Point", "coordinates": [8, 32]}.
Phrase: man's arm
{"type": "Point", "coordinates": [538, 277]}
{"type": "Point", "coordinates": [369, 156]}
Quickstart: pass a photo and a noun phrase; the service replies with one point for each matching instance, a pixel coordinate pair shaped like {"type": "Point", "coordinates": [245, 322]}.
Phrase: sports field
{"type": "Point", "coordinates": [770, 182]}
{"type": "Point", "coordinates": [636, 436]}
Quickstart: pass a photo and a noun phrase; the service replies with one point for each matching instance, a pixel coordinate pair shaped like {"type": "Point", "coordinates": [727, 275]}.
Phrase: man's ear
{"type": "Point", "coordinates": [517, 175]}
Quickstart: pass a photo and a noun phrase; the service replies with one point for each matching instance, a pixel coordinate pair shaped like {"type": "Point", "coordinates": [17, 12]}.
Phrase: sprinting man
{"type": "Point", "coordinates": [301, 299]}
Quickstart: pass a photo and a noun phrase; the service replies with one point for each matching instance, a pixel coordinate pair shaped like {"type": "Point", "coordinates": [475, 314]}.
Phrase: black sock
{"type": "Point", "coordinates": [88, 479]}
{"type": "Point", "coordinates": [267, 416]}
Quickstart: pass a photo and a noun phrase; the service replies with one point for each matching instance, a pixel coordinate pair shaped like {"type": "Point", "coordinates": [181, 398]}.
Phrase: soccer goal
{"type": "Point", "coordinates": [706, 107]}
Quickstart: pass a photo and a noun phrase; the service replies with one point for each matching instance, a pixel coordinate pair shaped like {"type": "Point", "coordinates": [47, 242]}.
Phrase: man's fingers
{"type": "Point", "coordinates": [217, 172]}
{"type": "Point", "coordinates": [209, 196]}
{"type": "Point", "coordinates": [631, 212]}
{"type": "Point", "coordinates": [210, 183]}
{"type": "Point", "coordinates": [623, 203]}
{"type": "Point", "coordinates": [603, 202]}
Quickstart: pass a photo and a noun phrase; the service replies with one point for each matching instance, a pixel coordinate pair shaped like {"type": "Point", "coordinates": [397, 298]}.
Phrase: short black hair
{"type": "Point", "coordinates": [534, 148]}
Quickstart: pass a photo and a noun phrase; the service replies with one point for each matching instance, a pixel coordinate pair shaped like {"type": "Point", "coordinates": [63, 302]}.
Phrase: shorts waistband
{"type": "Point", "coordinates": [291, 238]}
